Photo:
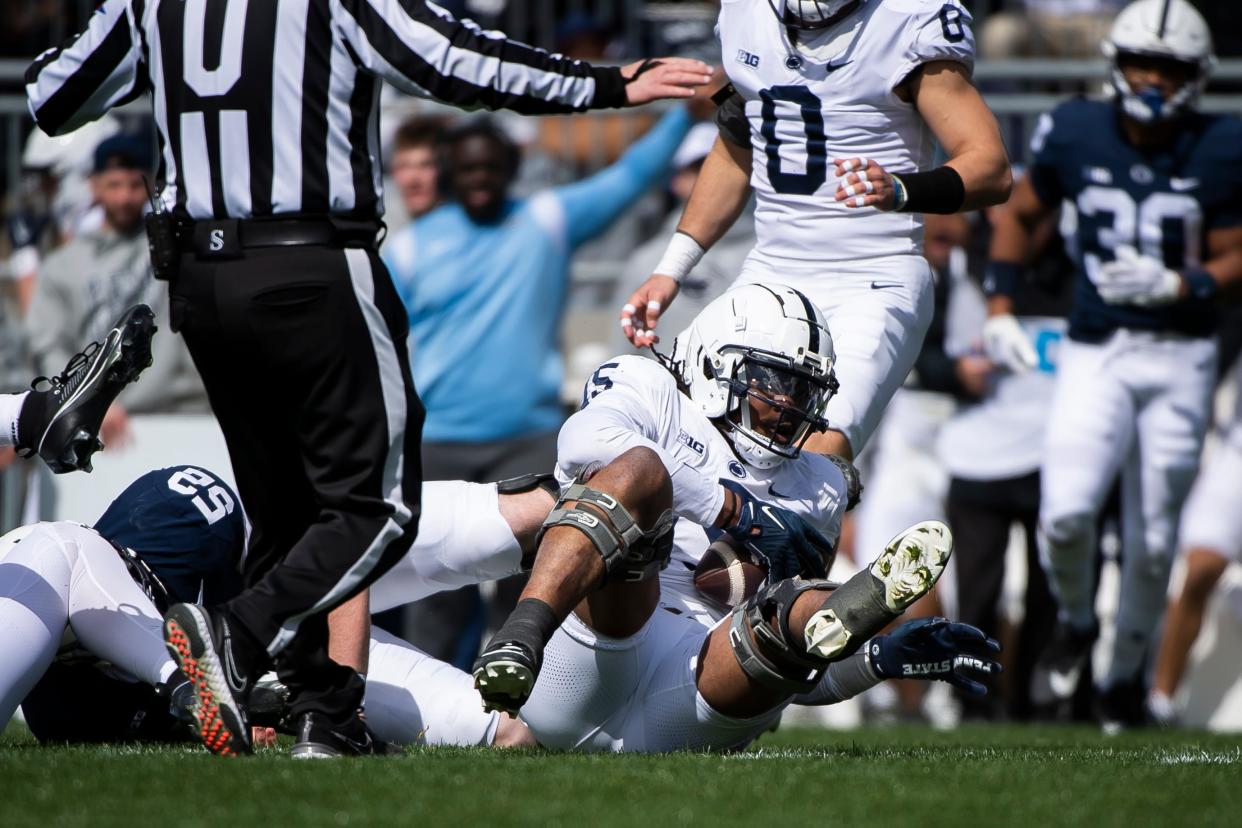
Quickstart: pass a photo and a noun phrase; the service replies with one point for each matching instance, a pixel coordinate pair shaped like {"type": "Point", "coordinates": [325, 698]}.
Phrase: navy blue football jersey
{"type": "Point", "coordinates": [1161, 202]}
{"type": "Point", "coordinates": [186, 525]}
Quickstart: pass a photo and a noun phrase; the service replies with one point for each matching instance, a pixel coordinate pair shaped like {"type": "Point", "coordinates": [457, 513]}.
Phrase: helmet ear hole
{"type": "Point", "coordinates": [708, 373]}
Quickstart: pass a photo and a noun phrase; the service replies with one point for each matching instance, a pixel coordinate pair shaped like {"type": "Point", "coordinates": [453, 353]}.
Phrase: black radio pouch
{"type": "Point", "coordinates": [162, 242]}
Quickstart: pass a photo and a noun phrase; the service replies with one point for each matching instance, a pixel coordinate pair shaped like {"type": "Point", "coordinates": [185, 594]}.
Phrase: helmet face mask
{"type": "Point", "coordinates": [810, 15]}
{"type": "Point", "coordinates": [1167, 39]}
{"type": "Point", "coordinates": [775, 404]}
{"type": "Point", "coordinates": [758, 361]}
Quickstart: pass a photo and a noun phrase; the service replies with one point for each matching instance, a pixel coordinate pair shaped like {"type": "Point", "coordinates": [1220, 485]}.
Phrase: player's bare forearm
{"type": "Point", "coordinates": [720, 194]}
{"type": "Point", "coordinates": [349, 632]}
{"type": "Point", "coordinates": [966, 129]}
{"type": "Point", "coordinates": [1014, 228]}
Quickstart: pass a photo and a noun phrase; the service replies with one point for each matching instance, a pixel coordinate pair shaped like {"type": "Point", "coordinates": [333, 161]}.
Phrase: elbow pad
{"type": "Point", "coordinates": [731, 116]}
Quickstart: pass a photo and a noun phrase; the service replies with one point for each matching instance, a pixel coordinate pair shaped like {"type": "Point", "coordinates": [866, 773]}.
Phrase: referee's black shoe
{"type": "Point", "coordinates": [319, 738]}
{"type": "Point", "coordinates": [61, 423]}
{"type": "Point", "coordinates": [202, 647]}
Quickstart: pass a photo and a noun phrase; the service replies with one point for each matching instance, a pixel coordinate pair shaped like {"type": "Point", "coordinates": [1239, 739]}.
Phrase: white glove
{"type": "Point", "coordinates": [1135, 279]}
{"type": "Point", "coordinates": [1007, 344]}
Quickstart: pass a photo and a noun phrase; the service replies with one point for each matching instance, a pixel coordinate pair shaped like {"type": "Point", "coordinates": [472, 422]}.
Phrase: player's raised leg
{"type": "Point", "coordinates": [60, 422]}
{"type": "Point", "coordinates": [618, 523]}
{"type": "Point", "coordinates": [779, 642]}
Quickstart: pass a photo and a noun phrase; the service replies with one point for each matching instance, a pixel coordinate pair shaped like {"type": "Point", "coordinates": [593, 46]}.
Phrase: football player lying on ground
{"type": "Point", "coordinates": [629, 660]}
{"type": "Point", "coordinates": [81, 611]}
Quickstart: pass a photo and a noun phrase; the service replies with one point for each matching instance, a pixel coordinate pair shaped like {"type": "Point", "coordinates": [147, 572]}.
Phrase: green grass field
{"type": "Point", "coordinates": [976, 776]}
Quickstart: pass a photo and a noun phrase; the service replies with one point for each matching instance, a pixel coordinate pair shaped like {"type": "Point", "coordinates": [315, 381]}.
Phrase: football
{"type": "Point", "coordinates": [728, 573]}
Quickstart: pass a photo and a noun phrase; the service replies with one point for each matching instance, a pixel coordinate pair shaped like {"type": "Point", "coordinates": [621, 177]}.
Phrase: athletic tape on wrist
{"type": "Point", "coordinates": [939, 191]}
{"type": "Point", "coordinates": [680, 257]}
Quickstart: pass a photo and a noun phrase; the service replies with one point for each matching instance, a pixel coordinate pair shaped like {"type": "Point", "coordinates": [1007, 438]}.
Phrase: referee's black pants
{"type": "Point", "coordinates": [303, 354]}
{"type": "Point", "coordinates": [980, 514]}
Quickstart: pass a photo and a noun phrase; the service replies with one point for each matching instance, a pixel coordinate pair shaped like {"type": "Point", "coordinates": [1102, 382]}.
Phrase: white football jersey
{"type": "Point", "coordinates": [833, 97]}
{"type": "Point", "coordinates": [632, 401]}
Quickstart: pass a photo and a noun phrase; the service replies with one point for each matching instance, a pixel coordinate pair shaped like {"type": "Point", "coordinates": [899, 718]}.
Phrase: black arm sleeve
{"type": "Point", "coordinates": [731, 116]}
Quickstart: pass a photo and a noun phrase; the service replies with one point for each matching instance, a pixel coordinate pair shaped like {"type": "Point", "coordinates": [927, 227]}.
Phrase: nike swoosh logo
{"type": "Point", "coordinates": [767, 510]}
{"type": "Point", "coordinates": [1181, 185]}
{"type": "Point", "coordinates": [832, 67]}
{"type": "Point", "coordinates": [235, 680]}
{"type": "Point", "coordinates": [772, 491]}
{"type": "Point", "coordinates": [360, 747]}
{"type": "Point", "coordinates": [883, 285]}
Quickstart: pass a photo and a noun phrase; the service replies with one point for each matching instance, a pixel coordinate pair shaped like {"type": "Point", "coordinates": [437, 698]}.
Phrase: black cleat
{"type": "Point", "coordinates": [1055, 678]}
{"type": "Point", "coordinates": [1123, 706]}
{"type": "Point", "coordinates": [319, 738]}
{"type": "Point", "coordinates": [61, 423]}
{"type": "Point", "coordinates": [202, 648]}
{"type": "Point", "coordinates": [505, 676]}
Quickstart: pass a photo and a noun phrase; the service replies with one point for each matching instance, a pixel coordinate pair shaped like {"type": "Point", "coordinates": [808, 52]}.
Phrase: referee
{"type": "Point", "coordinates": [267, 114]}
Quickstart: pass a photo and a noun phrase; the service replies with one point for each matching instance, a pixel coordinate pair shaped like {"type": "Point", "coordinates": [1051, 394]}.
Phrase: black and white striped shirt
{"type": "Point", "coordinates": [270, 107]}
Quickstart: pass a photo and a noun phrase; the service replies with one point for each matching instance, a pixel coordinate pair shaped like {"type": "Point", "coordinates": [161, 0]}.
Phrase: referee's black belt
{"type": "Point", "coordinates": [227, 238]}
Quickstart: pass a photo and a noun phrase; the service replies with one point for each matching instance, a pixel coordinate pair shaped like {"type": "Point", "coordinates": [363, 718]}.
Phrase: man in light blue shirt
{"type": "Point", "coordinates": [484, 279]}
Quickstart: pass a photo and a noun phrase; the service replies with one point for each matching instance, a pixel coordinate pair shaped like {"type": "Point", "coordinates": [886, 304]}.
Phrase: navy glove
{"type": "Point", "coordinates": [935, 649]}
{"type": "Point", "coordinates": [785, 542]}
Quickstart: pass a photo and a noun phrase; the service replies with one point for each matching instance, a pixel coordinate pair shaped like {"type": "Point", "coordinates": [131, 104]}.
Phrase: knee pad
{"type": "Point", "coordinates": [766, 648]}
{"type": "Point", "coordinates": [528, 483]}
{"type": "Point", "coordinates": [630, 553]}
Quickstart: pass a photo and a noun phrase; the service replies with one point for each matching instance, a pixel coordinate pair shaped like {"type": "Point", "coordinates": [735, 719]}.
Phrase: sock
{"type": "Point", "coordinates": [532, 623]}
{"type": "Point", "coordinates": [10, 414]}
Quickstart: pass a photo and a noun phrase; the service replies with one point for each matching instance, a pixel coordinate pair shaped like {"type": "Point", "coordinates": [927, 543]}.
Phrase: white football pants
{"type": "Point", "coordinates": [61, 583]}
{"type": "Point", "coordinates": [878, 311]}
{"type": "Point", "coordinates": [1138, 402]}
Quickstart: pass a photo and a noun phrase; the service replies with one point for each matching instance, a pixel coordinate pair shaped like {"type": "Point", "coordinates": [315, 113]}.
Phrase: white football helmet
{"type": "Point", "coordinates": [809, 14]}
{"type": "Point", "coordinates": [759, 360]}
{"type": "Point", "coordinates": [1170, 29]}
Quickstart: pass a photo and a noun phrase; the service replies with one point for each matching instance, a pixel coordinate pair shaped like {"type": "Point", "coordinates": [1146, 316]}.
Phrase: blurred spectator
{"type": "Point", "coordinates": [1048, 28]}
{"type": "Point", "coordinates": [85, 285]}
{"type": "Point", "coordinates": [1211, 535]}
{"type": "Point", "coordinates": [719, 267]}
{"type": "Point", "coordinates": [414, 167]}
{"type": "Point", "coordinates": [991, 450]}
{"type": "Point", "coordinates": [53, 200]}
{"type": "Point", "coordinates": [484, 279]}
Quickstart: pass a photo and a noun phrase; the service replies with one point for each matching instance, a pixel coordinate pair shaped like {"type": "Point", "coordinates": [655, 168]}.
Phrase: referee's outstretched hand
{"type": "Point", "coordinates": [656, 78]}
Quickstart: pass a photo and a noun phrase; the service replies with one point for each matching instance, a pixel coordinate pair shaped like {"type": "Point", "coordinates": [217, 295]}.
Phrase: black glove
{"type": "Point", "coordinates": [785, 542]}
{"type": "Point", "coordinates": [935, 649]}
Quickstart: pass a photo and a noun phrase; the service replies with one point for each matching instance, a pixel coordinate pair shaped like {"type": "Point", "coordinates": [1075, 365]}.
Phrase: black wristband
{"type": "Point", "coordinates": [1200, 284]}
{"type": "Point", "coordinates": [936, 191]}
{"type": "Point", "coordinates": [1002, 278]}
{"type": "Point", "coordinates": [609, 88]}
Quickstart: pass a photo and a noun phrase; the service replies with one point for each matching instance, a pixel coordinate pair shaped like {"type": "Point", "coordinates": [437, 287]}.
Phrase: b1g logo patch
{"type": "Point", "coordinates": [746, 57]}
{"type": "Point", "coordinates": [694, 445]}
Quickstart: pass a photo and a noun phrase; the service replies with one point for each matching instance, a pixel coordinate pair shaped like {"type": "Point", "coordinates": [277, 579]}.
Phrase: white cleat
{"type": "Point", "coordinates": [912, 562]}
{"type": "Point", "coordinates": [905, 571]}
{"type": "Point", "coordinates": [504, 678]}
